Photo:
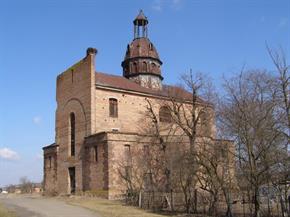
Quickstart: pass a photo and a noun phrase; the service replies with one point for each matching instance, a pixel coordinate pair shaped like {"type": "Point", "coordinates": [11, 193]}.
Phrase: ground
{"type": "Point", "coordinates": [37, 206]}
{"type": "Point", "coordinates": [4, 212]}
{"type": "Point", "coordinates": [109, 208]}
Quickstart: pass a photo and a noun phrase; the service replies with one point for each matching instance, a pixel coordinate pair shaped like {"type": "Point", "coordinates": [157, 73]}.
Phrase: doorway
{"type": "Point", "coordinates": [72, 179]}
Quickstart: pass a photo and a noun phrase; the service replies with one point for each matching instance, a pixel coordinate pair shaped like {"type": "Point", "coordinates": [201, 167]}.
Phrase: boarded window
{"type": "Point", "coordinates": [146, 150]}
{"type": "Point", "coordinates": [148, 181]}
{"type": "Point", "coordinates": [165, 114]}
{"type": "Point", "coordinates": [127, 155]}
{"type": "Point", "coordinates": [72, 134]}
{"type": "Point", "coordinates": [146, 156]}
{"type": "Point", "coordinates": [128, 161]}
{"type": "Point", "coordinates": [113, 107]}
{"type": "Point", "coordinates": [128, 172]}
{"type": "Point", "coordinates": [205, 120]}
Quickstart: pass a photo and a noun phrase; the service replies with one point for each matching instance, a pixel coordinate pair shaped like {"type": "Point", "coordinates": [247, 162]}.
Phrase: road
{"type": "Point", "coordinates": [37, 206]}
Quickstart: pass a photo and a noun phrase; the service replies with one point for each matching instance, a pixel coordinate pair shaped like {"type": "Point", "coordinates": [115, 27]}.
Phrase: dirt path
{"type": "Point", "coordinates": [36, 206]}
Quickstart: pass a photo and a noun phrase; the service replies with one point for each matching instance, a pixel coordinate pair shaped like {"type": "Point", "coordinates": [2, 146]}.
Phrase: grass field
{"type": "Point", "coordinates": [5, 213]}
{"type": "Point", "coordinates": [108, 208]}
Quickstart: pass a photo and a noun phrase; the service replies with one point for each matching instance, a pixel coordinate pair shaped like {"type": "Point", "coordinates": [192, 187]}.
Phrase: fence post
{"type": "Point", "coordinates": [140, 199]}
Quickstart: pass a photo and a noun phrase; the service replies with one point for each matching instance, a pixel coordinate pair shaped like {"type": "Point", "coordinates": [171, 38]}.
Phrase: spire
{"type": "Point", "coordinates": [140, 24]}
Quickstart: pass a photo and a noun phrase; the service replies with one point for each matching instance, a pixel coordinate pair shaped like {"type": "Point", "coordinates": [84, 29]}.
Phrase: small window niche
{"type": "Point", "coordinates": [165, 115]}
{"type": "Point", "coordinates": [113, 107]}
{"type": "Point", "coordinates": [96, 154]}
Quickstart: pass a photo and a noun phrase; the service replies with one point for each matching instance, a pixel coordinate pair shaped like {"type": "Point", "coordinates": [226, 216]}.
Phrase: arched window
{"type": "Point", "coordinates": [165, 114]}
{"type": "Point", "coordinates": [153, 66]}
{"type": "Point", "coordinates": [144, 67]}
{"type": "Point", "coordinates": [135, 67]}
{"type": "Point", "coordinates": [72, 134]}
{"type": "Point", "coordinates": [113, 107]}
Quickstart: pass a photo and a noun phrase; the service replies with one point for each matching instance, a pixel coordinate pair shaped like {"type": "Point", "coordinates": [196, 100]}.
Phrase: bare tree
{"type": "Point", "coordinates": [282, 88]}
{"type": "Point", "coordinates": [131, 172]}
{"type": "Point", "coordinates": [177, 120]}
{"type": "Point", "coordinates": [190, 105]}
{"type": "Point", "coordinates": [248, 113]}
{"type": "Point", "coordinates": [26, 186]}
{"type": "Point", "coordinates": [217, 173]}
{"type": "Point", "coordinates": [174, 157]}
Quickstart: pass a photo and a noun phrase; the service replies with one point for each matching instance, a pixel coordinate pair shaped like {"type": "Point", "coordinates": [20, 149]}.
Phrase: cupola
{"type": "Point", "coordinates": [141, 62]}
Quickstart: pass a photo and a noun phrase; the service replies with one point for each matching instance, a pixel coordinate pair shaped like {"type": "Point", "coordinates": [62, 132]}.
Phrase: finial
{"type": "Point", "coordinates": [141, 19]}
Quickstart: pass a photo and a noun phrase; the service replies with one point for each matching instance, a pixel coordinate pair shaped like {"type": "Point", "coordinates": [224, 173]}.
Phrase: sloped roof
{"type": "Point", "coordinates": [140, 17]}
{"type": "Point", "coordinates": [50, 146]}
{"type": "Point", "coordinates": [123, 83]}
{"type": "Point", "coordinates": [141, 47]}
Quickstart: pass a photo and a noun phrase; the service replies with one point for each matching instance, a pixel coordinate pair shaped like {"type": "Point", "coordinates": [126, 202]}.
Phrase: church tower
{"type": "Point", "coordinates": [141, 62]}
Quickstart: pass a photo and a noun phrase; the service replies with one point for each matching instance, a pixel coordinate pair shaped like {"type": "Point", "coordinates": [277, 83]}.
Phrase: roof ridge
{"type": "Point", "coordinates": [104, 73]}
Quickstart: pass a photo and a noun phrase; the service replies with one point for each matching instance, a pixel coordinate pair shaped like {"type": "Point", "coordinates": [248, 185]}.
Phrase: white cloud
{"type": "Point", "coordinates": [157, 5]}
{"type": "Point", "coordinates": [283, 22]}
{"type": "Point", "coordinates": [176, 4]}
{"type": "Point", "coordinates": [8, 154]}
{"type": "Point", "coordinates": [36, 120]}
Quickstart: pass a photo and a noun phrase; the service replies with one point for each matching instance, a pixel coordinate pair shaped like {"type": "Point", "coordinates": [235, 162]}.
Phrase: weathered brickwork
{"type": "Point", "coordinates": [50, 169]}
{"type": "Point", "coordinates": [89, 143]}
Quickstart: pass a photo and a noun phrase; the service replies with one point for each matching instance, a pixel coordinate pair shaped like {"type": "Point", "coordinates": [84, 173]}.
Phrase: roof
{"type": "Point", "coordinates": [123, 83]}
{"type": "Point", "coordinates": [141, 47]}
{"type": "Point", "coordinates": [140, 17]}
{"type": "Point", "coordinates": [53, 145]}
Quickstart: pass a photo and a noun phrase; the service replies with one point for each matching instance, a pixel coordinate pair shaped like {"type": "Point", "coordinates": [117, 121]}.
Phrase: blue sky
{"type": "Point", "coordinates": [40, 39]}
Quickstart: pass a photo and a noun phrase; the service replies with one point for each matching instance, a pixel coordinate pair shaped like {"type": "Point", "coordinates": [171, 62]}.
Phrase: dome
{"type": "Point", "coordinates": [141, 58]}
{"type": "Point", "coordinates": [141, 47]}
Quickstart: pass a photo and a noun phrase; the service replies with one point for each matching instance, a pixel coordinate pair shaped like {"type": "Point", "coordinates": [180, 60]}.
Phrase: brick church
{"type": "Point", "coordinates": [99, 117]}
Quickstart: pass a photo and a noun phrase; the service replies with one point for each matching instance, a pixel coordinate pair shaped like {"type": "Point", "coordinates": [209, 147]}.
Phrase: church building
{"type": "Point", "coordinates": [99, 117]}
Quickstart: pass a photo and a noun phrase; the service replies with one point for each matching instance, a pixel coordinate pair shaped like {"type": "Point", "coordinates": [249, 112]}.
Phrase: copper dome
{"type": "Point", "coordinates": [141, 47]}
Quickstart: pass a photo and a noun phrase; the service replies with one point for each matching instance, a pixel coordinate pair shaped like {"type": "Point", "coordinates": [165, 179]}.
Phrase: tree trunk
{"type": "Point", "coordinates": [212, 208]}
{"type": "Point", "coordinates": [257, 202]}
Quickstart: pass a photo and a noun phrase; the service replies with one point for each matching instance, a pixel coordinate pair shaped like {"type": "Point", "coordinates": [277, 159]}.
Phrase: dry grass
{"type": "Point", "coordinates": [107, 208]}
{"type": "Point", "coordinates": [5, 212]}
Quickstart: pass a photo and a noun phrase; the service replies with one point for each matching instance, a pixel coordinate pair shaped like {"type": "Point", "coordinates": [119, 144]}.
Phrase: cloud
{"type": "Point", "coordinates": [176, 4]}
{"type": "Point", "coordinates": [36, 120]}
{"type": "Point", "coordinates": [283, 22]}
{"type": "Point", "coordinates": [8, 154]}
{"type": "Point", "coordinates": [159, 5]}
